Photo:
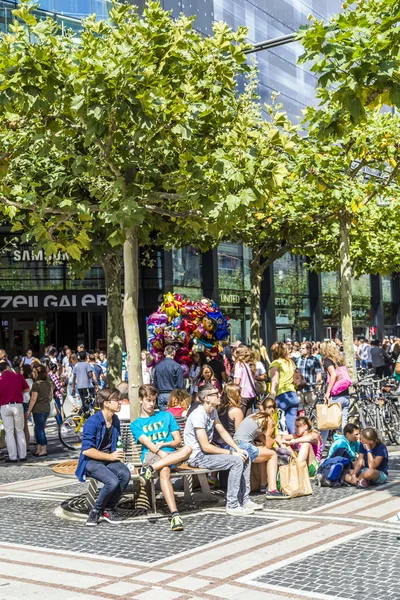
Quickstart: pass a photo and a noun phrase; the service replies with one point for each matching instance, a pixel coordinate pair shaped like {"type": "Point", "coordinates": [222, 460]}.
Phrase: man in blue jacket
{"type": "Point", "coordinates": [101, 460]}
{"type": "Point", "coordinates": [167, 376]}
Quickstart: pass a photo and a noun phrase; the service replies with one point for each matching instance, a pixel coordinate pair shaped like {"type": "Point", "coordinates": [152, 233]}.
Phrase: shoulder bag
{"type": "Point", "coordinates": [258, 389]}
{"type": "Point", "coordinates": [298, 380]}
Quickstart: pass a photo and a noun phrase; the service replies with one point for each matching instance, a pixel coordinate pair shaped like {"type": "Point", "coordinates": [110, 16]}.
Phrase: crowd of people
{"type": "Point", "coordinates": [230, 403]}
{"type": "Point", "coordinates": [30, 386]}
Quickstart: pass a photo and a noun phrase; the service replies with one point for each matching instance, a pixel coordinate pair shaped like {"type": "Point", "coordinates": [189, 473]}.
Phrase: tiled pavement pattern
{"type": "Point", "coordinates": [217, 556]}
{"type": "Point", "coordinates": [33, 522]}
{"type": "Point", "coordinates": [364, 568]}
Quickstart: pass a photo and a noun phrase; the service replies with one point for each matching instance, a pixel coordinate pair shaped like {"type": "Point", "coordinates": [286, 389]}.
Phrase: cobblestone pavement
{"type": "Point", "coordinates": [337, 543]}
{"type": "Point", "coordinates": [331, 571]}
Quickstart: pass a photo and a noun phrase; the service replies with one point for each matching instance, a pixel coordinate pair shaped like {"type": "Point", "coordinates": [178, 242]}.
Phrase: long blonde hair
{"type": "Point", "coordinates": [330, 350]}
{"type": "Point", "coordinates": [244, 355]}
{"type": "Point", "coordinates": [266, 414]}
{"type": "Point", "coordinates": [230, 397]}
{"type": "Point", "coordinates": [280, 350]}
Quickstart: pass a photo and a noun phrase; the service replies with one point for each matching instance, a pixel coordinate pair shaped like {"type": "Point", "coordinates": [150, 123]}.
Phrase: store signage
{"type": "Point", "coordinates": [81, 301]}
{"type": "Point", "coordinates": [42, 332]}
{"type": "Point", "coordinates": [37, 256]}
{"type": "Point", "coordinates": [232, 299]}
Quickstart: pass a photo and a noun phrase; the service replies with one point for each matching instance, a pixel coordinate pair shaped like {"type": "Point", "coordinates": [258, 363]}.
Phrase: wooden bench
{"type": "Point", "coordinates": [132, 455]}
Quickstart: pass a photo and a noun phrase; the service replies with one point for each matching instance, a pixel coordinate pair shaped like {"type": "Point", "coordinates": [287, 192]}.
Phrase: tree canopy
{"type": "Point", "coordinates": [356, 56]}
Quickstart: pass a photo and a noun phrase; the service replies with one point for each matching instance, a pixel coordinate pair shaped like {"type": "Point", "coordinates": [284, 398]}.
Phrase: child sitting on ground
{"type": "Point", "coordinates": [346, 445]}
{"type": "Point", "coordinates": [371, 466]}
{"type": "Point", "coordinates": [178, 403]}
{"type": "Point", "coordinates": [307, 441]}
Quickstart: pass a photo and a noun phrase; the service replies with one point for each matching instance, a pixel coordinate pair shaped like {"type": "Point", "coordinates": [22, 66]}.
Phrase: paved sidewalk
{"type": "Point", "coordinates": [337, 543]}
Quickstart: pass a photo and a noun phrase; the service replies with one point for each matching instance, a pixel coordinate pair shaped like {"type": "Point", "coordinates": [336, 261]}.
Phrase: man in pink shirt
{"type": "Point", "coordinates": [12, 386]}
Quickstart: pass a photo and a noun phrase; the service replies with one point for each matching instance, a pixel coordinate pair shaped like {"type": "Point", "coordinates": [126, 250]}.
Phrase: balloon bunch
{"type": "Point", "coordinates": [190, 326]}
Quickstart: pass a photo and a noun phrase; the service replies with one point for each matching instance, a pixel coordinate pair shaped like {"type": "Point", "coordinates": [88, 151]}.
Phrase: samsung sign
{"type": "Point", "coordinates": [52, 301]}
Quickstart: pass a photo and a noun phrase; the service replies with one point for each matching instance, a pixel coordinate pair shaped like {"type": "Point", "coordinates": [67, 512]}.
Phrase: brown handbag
{"type": "Point", "coordinates": [298, 380]}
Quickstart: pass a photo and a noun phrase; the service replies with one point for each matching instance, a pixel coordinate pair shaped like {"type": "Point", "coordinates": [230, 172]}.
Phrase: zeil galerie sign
{"type": "Point", "coordinates": [82, 301]}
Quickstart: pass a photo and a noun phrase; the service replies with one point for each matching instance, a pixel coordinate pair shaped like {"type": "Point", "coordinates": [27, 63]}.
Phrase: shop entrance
{"type": "Point", "coordinates": [26, 330]}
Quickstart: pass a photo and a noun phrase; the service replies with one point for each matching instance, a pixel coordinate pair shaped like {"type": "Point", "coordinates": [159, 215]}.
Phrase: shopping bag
{"type": "Point", "coordinates": [329, 416]}
{"type": "Point", "coordinates": [53, 409]}
{"type": "Point", "coordinates": [294, 479]}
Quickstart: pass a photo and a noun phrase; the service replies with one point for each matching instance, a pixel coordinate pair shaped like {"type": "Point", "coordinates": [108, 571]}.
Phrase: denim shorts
{"type": "Point", "coordinates": [382, 477]}
{"type": "Point", "coordinates": [251, 449]}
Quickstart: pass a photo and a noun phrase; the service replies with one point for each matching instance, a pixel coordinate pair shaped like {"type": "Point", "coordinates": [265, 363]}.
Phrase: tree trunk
{"type": "Point", "coordinates": [346, 299]}
{"type": "Point", "coordinates": [111, 264]}
{"type": "Point", "coordinates": [256, 272]}
{"type": "Point", "coordinates": [131, 320]}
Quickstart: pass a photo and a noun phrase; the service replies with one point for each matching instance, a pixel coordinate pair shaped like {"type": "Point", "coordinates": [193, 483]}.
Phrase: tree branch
{"type": "Point", "coordinates": [48, 210]}
{"type": "Point", "coordinates": [171, 213]}
{"type": "Point", "coordinates": [384, 185]}
{"type": "Point", "coordinates": [353, 173]}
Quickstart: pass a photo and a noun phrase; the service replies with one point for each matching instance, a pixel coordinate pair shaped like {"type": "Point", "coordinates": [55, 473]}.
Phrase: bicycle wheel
{"type": "Point", "coordinates": [394, 425]}
{"type": "Point", "coordinates": [382, 427]}
{"type": "Point", "coordinates": [70, 432]}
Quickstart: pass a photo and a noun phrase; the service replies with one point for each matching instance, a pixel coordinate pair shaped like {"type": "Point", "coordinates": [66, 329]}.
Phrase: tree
{"type": "Point", "coordinates": [354, 179]}
{"type": "Point", "coordinates": [140, 126]}
{"type": "Point", "coordinates": [356, 57]}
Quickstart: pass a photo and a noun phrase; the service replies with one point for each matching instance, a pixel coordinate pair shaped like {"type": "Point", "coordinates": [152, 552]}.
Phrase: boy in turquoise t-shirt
{"type": "Point", "coordinates": [161, 441]}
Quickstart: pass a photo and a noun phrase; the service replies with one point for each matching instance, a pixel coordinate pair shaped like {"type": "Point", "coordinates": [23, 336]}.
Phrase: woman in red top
{"type": "Point", "coordinates": [178, 403]}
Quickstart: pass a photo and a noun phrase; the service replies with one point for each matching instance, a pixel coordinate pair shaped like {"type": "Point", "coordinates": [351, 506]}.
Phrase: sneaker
{"type": "Point", "coordinates": [253, 505]}
{"type": "Point", "coordinates": [275, 495]}
{"type": "Point", "coordinates": [263, 489]}
{"type": "Point", "coordinates": [212, 481]}
{"type": "Point", "coordinates": [10, 460]}
{"type": "Point", "coordinates": [176, 523]}
{"type": "Point", "coordinates": [239, 511]}
{"type": "Point", "coordinates": [93, 518]}
{"type": "Point", "coordinates": [111, 516]}
{"type": "Point", "coordinates": [363, 483]}
{"type": "Point", "coordinates": [22, 459]}
{"type": "Point", "coordinates": [145, 474]}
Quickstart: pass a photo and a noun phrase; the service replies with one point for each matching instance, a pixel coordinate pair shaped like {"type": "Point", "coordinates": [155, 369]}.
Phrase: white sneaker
{"type": "Point", "coordinates": [239, 511]}
{"type": "Point", "coordinates": [253, 505]}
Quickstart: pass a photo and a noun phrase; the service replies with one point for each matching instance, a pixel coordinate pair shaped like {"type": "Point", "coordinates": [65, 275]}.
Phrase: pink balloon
{"type": "Point", "coordinates": [157, 319]}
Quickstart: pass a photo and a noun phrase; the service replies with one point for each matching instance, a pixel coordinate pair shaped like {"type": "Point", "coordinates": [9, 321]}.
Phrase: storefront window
{"type": "Point", "coordinates": [234, 288]}
{"type": "Point", "coordinates": [234, 266]}
{"type": "Point", "coordinates": [186, 264]}
{"type": "Point", "coordinates": [292, 302]}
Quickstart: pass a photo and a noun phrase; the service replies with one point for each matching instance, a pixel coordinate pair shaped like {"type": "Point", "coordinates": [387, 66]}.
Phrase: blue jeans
{"type": "Point", "coordinates": [364, 364]}
{"type": "Point", "coordinates": [289, 403]}
{"type": "Point", "coordinates": [252, 450]}
{"type": "Point", "coordinates": [162, 400]}
{"type": "Point", "coordinates": [345, 402]}
{"type": "Point", "coordinates": [40, 421]}
{"type": "Point", "coordinates": [115, 476]}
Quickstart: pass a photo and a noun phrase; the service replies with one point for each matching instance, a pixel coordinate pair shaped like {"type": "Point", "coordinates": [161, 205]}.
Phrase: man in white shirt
{"type": "Point", "coordinates": [198, 434]}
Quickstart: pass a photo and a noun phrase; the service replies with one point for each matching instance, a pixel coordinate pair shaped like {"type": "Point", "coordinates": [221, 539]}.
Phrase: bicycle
{"type": "Point", "coordinates": [71, 429]}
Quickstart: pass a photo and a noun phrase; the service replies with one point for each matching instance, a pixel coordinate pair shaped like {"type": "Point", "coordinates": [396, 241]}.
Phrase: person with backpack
{"type": "Point", "coordinates": [371, 466]}
{"type": "Point", "coordinates": [308, 443]}
{"type": "Point", "coordinates": [346, 444]}
{"type": "Point", "coordinates": [338, 381]}
{"type": "Point", "coordinates": [341, 458]}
